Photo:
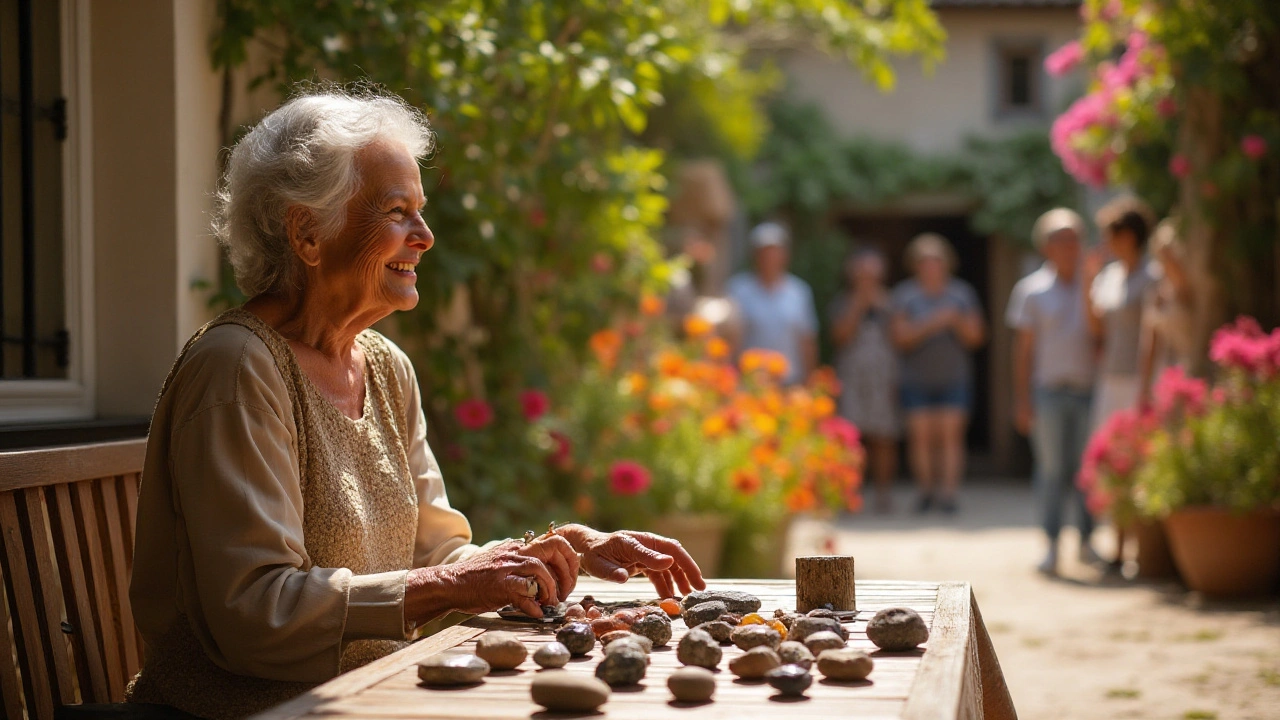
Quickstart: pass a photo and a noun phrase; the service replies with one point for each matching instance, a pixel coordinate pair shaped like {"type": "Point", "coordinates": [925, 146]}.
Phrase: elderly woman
{"type": "Point", "coordinates": [937, 323]}
{"type": "Point", "coordinates": [293, 523]}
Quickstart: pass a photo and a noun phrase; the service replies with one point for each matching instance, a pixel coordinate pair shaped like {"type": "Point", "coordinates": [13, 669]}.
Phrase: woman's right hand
{"type": "Point", "coordinates": [497, 577]}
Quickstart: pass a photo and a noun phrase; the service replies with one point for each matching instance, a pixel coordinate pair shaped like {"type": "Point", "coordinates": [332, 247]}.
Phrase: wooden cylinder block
{"type": "Point", "coordinates": [823, 580]}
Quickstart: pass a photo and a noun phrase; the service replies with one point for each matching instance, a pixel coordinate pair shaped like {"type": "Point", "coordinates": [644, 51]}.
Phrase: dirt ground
{"type": "Point", "coordinates": [1085, 645]}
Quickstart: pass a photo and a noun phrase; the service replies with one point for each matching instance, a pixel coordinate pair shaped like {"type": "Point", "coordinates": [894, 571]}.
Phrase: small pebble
{"type": "Point", "coordinates": [790, 680]}
{"type": "Point", "coordinates": [754, 663]}
{"type": "Point", "coordinates": [452, 669]}
{"type": "Point", "coordinates": [823, 640]}
{"type": "Point", "coordinates": [692, 684]}
{"type": "Point", "coordinates": [551, 655]}
{"type": "Point", "coordinates": [736, 602]}
{"type": "Point", "coordinates": [605, 625]}
{"type": "Point", "coordinates": [731, 619]}
{"type": "Point", "coordinates": [575, 612]}
{"type": "Point", "coordinates": [656, 627]}
{"type": "Point", "coordinates": [670, 607]}
{"type": "Point", "coordinates": [794, 653]}
{"type": "Point", "coordinates": [635, 641]}
{"type": "Point", "coordinates": [787, 619]}
{"type": "Point", "coordinates": [569, 692]}
{"type": "Point", "coordinates": [627, 616]}
{"type": "Point", "coordinates": [626, 665]}
{"type": "Point", "coordinates": [822, 612]}
{"type": "Point", "coordinates": [594, 613]}
{"type": "Point", "coordinates": [578, 637]}
{"type": "Point", "coordinates": [845, 664]}
{"type": "Point", "coordinates": [698, 648]}
{"type": "Point", "coordinates": [615, 635]}
{"type": "Point", "coordinates": [749, 636]}
{"type": "Point", "coordinates": [897, 629]}
{"type": "Point", "coordinates": [704, 612]}
{"type": "Point", "coordinates": [806, 626]}
{"type": "Point", "coordinates": [719, 630]}
{"type": "Point", "coordinates": [502, 650]}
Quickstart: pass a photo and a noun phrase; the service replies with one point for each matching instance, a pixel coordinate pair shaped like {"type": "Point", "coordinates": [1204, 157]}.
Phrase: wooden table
{"type": "Point", "coordinates": [956, 675]}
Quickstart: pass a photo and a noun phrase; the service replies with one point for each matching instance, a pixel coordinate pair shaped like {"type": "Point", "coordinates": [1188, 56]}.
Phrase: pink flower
{"type": "Point", "coordinates": [841, 431]}
{"type": "Point", "coordinates": [1092, 111]}
{"type": "Point", "coordinates": [1097, 502]}
{"type": "Point", "coordinates": [1253, 146]}
{"type": "Point", "coordinates": [561, 455]}
{"type": "Point", "coordinates": [1179, 166]}
{"type": "Point", "coordinates": [473, 414]}
{"type": "Point", "coordinates": [601, 263]}
{"type": "Point", "coordinates": [1062, 60]}
{"type": "Point", "coordinates": [1176, 392]}
{"type": "Point", "coordinates": [1167, 107]}
{"type": "Point", "coordinates": [627, 477]}
{"type": "Point", "coordinates": [1243, 346]}
{"type": "Point", "coordinates": [534, 404]}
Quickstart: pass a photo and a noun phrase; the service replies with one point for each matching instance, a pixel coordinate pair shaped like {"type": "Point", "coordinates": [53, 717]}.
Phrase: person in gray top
{"type": "Point", "coordinates": [775, 307]}
{"type": "Point", "coordinates": [936, 323]}
{"type": "Point", "coordinates": [1054, 365]}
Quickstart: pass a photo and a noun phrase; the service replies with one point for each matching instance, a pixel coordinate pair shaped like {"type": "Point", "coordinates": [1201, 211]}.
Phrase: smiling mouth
{"type": "Point", "coordinates": [402, 266]}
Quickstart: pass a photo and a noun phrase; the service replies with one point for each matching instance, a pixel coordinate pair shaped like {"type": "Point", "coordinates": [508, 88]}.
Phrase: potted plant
{"type": "Point", "coordinates": [1215, 477]}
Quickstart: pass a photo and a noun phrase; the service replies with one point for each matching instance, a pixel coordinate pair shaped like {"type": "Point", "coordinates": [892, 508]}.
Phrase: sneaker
{"type": "Point", "coordinates": [923, 503]}
{"type": "Point", "coordinates": [1088, 556]}
{"type": "Point", "coordinates": [1049, 566]}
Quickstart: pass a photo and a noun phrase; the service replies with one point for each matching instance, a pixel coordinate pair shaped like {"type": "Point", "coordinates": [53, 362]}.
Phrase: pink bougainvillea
{"type": "Point", "coordinates": [1253, 146]}
{"type": "Point", "coordinates": [1064, 59]}
{"type": "Point", "coordinates": [1177, 394]}
{"type": "Point", "coordinates": [627, 477]}
{"type": "Point", "coordinates": [1243, 346]}
{"type": "Point", "coordinates": [473, 414]}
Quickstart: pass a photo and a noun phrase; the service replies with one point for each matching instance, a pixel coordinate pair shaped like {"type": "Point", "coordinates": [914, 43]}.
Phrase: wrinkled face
{"type": "Point", "coordinates": [771, 261]}
{"type": "Point", "coordinates": [1063, 249]}
{"type": "Point", "coordinates": [932, 271]}
{"type": "Point", "coordinates": [372, 261]}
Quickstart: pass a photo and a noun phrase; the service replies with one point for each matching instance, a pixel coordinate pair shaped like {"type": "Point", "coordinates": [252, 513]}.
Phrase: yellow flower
{"type": "Point", "coordinates": [765, 424]}
{"type": "Point", "coordinates": [714, 426]}
{"type": "Point", "coordinates": [634, 383]}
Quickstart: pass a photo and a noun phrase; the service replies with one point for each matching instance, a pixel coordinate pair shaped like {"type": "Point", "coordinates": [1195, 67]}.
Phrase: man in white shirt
{"type": "Point", "coordinates": [1054, 367]}
{"type": "Point", "coordinates": [775, 307]}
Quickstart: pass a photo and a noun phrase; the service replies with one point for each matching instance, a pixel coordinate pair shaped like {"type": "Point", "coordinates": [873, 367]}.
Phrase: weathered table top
{"type": "Point", "coordinates": [955, 675]}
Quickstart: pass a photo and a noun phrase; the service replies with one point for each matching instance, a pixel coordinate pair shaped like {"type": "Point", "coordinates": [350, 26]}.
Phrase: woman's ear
{"type": "Point", "coordinates": [300, 226]}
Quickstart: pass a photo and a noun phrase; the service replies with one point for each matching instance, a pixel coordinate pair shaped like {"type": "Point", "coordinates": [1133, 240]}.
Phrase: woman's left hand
{"type": "Point", "coordinates": [619, 555]}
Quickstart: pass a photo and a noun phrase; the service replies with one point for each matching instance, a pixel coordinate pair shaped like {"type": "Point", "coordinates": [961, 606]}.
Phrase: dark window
{"type": "Point", "coordinates": [34, 342]}
{"type": "Point", "coordinates": [1018, 79]}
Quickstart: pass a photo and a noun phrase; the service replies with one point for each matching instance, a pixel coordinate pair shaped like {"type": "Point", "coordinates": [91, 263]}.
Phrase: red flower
{"type": "Point", "coordinates": [1179, 166]}
{"type": "Point", "coordinates": [841, 430]}
{"type": "Point", "coordinates": [562, 450]}
{"type": "Point", "coordinates": [474, 414]}
{"type": "Point", "coordinates": [627, 477]}
{"type": "Point", "coordinates": [537, 217]}
{"type": "Point", "coordinates": [1253, 146]}
{"type": "Point", "coordinates": [1167, 107]}
{"type": "Point", "coordinates": [534, 404]}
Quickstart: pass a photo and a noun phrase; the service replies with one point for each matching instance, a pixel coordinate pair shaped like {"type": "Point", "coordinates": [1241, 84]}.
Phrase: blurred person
{"type": "Point", "coordinates": [1114, 307]}
{"type": "Point", "coordinates": [867, 366]}
{"type": "Point", "coordinates": [1168, 315]}
{"type": "Point", "coordinates": [775, 308]}
{"type": "Point", "coordinates": [1054, 368]}
{"type": "Point", "coordinates": [936, 324]}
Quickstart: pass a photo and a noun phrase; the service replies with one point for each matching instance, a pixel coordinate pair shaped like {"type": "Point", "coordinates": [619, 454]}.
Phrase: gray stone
{"type": "Point", "coordinates": [791, 680]}
{"type": "Point", "coordinates": [625, 665]}
{"type": "Point", "coordinates": [787, 619]}
{"type": "Point", "coordinates": [737, 602]}
{"type": "Point", "coordinates": [719, 630]}
{"type": "Point", "coordinates": [551, 655]}
{"type": "Point", "coordinates": [502, 650]}
{"type": "Point", "coordinates": [794, 653]}
{"type": "Point", "coordinates": [754, 663]}
{"type": "Point", "coordinates": [578, 637]}
{"type": "Point", "coordinates": [639, 642]}
{"type": "Point", "coordinates": [823, 640]}
{"type": "Point", "coordinates": [806, 626]}
{"type": "Point", "coordinates": [698, 648]}
{"type": "Point", "coordinates": [569, 692]}
{"type": "Point", "coordinates": [654, 626]}
{"type": "Point", "coordinates": [703, 613]}
{"type": "Point", "coordinates": [452, 669]}
{"type": "Point", "coordinates": [897, 629]}
{"type": "Point", "coordinates": [847, 664]}
{"type": "Point", "coordinates": [822, 612]}
{"type": "Point", "coordinates": [692, 684]}
{"type": "Point", "coordinates": [749, 636]}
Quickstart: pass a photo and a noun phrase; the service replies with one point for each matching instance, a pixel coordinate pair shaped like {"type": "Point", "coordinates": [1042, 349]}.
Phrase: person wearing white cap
{"type": "Point", "coordinates": [1054, 370]}
{"type": "Point", "coordinates": [776, 307]}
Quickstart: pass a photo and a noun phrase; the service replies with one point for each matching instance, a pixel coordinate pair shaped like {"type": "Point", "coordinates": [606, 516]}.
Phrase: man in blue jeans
{"type": "Point", "coordinates": [1054, 364]}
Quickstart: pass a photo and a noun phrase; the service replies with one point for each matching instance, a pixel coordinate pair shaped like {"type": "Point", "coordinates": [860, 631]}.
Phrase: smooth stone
{"type": "Point", "coordinates": [692, 684]}
{"type": "Point", "coordinates": [790, 680]}
{"type": "Point", "coordinates": [625, 665]}
{"type": "Point", "coordinates": [699, 648]}
{"type": "Point", "coordinates": [703, 613]}
{"type": "Point", "coordinates": [578, 637]}
{"type": "Point", "coordinates": [639, 642]}
{"type": "Point", "coordinates": [794, 653]}
{"type": "Point", "coordinates": [569, 692]}
{"type": "Point", "coordinates": [788, 619]}
{"type": "Point", "coordinates": [822, 612]}
{"type": "Point", "coordinates": [737, 602]}
{"type": "Point", "coordinates": [897, 629]}
{"type": "Point", "coordinates": [656, 627]}
{"type": "Point", "coordinates": [749, 636]}
{"type": "Point", "coordinates": [611, 637]}
{"type": "Point", "coordinates": [502, 650]}
{"type": "Point", "coordinates": [719, 630]}
{"type": "Point", "coordinates": [823, 640]}
{"type": "Point", "coordinates": [452, 669]}
{"type": "Point", "coordinates": [552, 655]}
{"type": "Point", "coordinates": [754, 663]}
{"type": "Point", "coordinates": [806, 626]}
{"type": "Point", "coordinates": [845, 664]}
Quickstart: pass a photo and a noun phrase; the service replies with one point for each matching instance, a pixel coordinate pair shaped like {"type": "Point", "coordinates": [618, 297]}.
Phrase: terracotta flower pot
{"type": "Point", "coordinates": [1155, 560]}
{"type": "Point", "coordinates": [1226, 554]}
{"type": "Point", "coordinates": [702, 535]}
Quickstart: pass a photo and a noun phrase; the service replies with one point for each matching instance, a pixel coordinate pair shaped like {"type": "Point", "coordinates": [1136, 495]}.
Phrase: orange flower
{"type": "Point", "coordinates": [717, 349]}
{"type": "Point", "coordinates": [606, 344]}
{"type": "Point", "coordinates": [726, 380]}
{"type": "Point", "coordinates": [745, 481]}
{"type": "Point", "coordinates": [584, 506]}
{"type": "Point", "coordinates": [661, 402]}
{"type": "Point", "coordinates": [823, 406]}
{"type": "Point", "coordinates": [776, 364]}
{"type": "Point", "coordinates": [752, 360]}
{"type": "Point", "coordinates": [763, 454]}
{"type": "Point", "coordinates": [764, 424]}
{"type": "Point", "coordinates": [801, 499]}
{"type": "Point", "coordinates": [782, 467]}
{"type": "Point", "coordinates": [772, 403]}
{"type": "Point", "coordinates": [696, 327]}
{"type": "Point", "coordinates": [651, 305]}
{"type": "Point", "coordinates": [634, 383]}
{"type": "Point", "coordinates": [715, 426]}
{"type": "Point", "coordinates": [853, 502]}
{"type": "Point", "coordinates": [825, 381]}
{"type": "Point", "coordinates": [670, 364]}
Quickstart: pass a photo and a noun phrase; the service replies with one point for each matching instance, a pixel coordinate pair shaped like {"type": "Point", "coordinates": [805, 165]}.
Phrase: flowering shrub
{"type": "Point", "coordinates": [1110, 464]}
{"type": "Point", "coordinates": [658, 425]}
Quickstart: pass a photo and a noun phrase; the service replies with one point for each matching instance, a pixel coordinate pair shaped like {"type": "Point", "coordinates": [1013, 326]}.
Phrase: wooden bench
{"type": "Point", "coordinates": [66, 527]}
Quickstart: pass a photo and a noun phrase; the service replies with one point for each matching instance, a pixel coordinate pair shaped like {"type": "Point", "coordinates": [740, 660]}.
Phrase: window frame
{"type": "Point", "coordinates": [72, 398]}
{"type": "Point", "coordinates": [1002, 49]}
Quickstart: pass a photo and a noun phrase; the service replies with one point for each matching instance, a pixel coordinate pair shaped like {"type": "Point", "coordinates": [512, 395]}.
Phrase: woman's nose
{"type": "Point", "coordinates": [421, 236]}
